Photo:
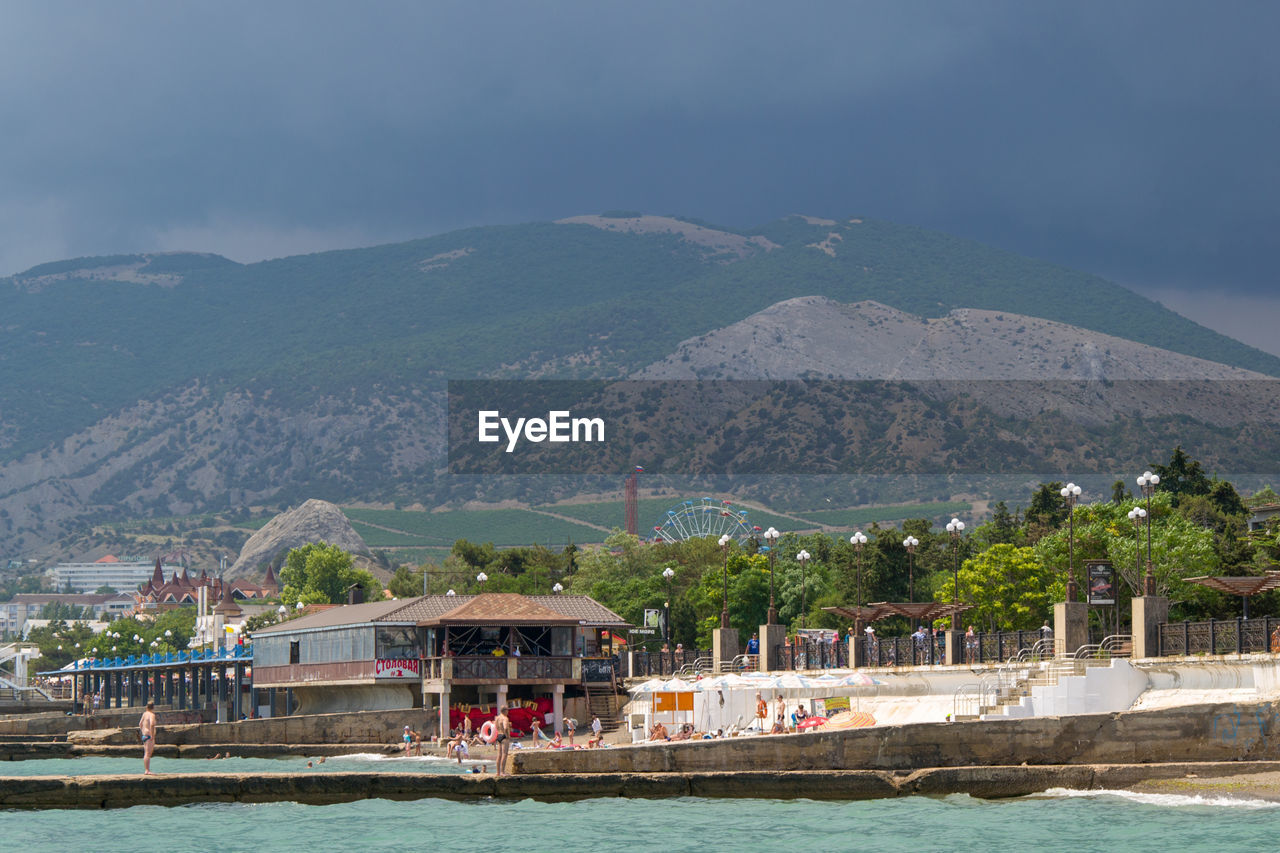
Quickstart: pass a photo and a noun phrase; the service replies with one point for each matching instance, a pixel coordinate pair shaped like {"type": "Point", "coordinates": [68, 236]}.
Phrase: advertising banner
{"type": "Point", "coordinates": [404, 668]}
{"type": "Point", "coordinates": [1102, 582]}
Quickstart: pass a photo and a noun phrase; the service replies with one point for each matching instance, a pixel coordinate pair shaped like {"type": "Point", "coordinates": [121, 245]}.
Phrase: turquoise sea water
{"type": "Point", "coordinates": [1114, 822]}
{"type": "Point", "coordinates": [1099, 822]}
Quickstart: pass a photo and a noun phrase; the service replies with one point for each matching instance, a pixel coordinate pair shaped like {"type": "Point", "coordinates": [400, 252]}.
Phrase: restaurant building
{"type": "Point", "coordinates": [466, 653]}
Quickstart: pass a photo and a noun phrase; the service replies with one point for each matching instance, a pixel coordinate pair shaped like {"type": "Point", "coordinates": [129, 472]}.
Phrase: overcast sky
{"type": "Point", "coordinates": [1133, 139]}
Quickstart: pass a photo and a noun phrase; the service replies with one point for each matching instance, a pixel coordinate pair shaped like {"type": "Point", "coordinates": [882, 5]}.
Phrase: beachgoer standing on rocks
{"type": "Point", "coordinates": [502, 737]}
{"type": "Point", "coordinates": [147, 731]}
{"type": "Point", "coordinates": [570, 727]}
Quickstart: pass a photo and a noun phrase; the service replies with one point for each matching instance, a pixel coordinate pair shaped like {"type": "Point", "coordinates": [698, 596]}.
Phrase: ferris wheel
{"type": "Point", "coordinates": [704, 517]}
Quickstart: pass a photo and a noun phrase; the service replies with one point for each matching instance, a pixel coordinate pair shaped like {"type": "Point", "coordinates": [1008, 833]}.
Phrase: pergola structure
{"type": "Point", "coordinates": [1243, 586]}
{"type": "Point", "coordinates": [917, 611]}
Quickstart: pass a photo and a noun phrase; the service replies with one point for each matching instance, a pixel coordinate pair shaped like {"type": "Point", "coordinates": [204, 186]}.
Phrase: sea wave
{"type": "Point", "coordinates": [1167, 800]}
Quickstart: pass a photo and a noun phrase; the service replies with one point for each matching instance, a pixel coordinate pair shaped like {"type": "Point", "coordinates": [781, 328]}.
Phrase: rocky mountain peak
{"type": "Point", "coordinates": [314, 521]}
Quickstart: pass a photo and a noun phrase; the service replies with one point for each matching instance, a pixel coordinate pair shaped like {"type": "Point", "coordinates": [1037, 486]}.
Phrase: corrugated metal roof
{"type": "Point", "coordinates": [347, 614]}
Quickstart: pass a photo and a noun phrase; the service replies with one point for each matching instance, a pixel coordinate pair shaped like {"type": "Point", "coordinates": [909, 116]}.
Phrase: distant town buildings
{"type": "Point", "coordinates": [108, 571]}
{"type": "Point", "coordinates": [1260, 515]}
{"type": "Point", "coordinates": [182, 589]}
{"type": "Point", "coordinates": [25, 607]}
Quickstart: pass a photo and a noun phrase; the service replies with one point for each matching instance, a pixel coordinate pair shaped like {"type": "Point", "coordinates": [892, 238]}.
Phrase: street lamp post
{"type": "Point", "coordinates": [725, 540]}
{"type": "Point", "coordinates": [955, 527]}
{"type": "Point", "coordinates": [667, 574]}
{"type": "Point", "coordinates": [1148, 482]}
{"type": "Point", "coordinates": [858, 540]}
{"type": "Point", "coordinates": [911, 543]}
{"type": "Point", "coordinates": [1071, 493]}
{"type": "Point", "coordinates": [771, 539]}
{"type": "Point", "coordinates": [803, 557]}
{"type": "Point", "coordinates": [1136, 515]}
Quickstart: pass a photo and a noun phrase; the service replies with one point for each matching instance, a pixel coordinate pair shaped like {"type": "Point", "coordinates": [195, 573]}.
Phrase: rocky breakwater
{"type": "Point", "coordinates": [104, 792]}
{"type": "Point", "coordinates": [1222, 732]}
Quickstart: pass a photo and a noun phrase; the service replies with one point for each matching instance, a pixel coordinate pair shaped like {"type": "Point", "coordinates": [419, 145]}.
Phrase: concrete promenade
{"type": "Point", "coordinates": [1221, 732]}
{"type": "Point", "coordinates": [105, 792]}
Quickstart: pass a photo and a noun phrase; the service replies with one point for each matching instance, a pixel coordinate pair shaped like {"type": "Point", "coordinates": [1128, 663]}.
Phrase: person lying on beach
{"type": "Point", "coordinates": [686, 732]}
{"type": "Point", "coordinates": [556, 742]}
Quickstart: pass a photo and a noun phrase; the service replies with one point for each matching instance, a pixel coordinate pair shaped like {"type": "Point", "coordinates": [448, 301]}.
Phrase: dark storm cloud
{"type": "Point", "coordinates": [1133, 139]}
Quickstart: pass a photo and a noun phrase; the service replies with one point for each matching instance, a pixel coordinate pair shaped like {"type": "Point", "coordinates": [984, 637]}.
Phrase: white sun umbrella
{"type": "Point", "coordinates": [794, 684]}
{"type": "Point", "coordinates": [653, 685]}
{"type": "Point", "coordinates": [677, 685]}
{"type": "Point", "coordinates": [858, 679]}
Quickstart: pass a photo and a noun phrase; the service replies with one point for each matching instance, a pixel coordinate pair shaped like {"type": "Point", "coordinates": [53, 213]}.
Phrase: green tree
{"type": "Point", "coordinates": [405, 583]}
{"type": "Point", "coordinates": [61, 611]}
{"type": "Point", "coordinates": [319, 573]}
{"type": "Point", "coordinates": [1182, 477]}
{"type": "Point", "coordinates": [1265, 495]}
{"type": "Point", "coordinates": [1047, 511]}
{"type": "Point", "coordinates": [1180, 548]}
{"type": "Point", "coordinates": [1009, 587]}
{"type": "Point", "coordinates": [105, 589]}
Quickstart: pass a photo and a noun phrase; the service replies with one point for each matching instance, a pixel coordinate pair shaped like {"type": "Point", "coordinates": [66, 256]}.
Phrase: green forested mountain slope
{"type": "Point", "coordinates": [323, 363]}
{"type": "Point", "coordinates": [517, 296]}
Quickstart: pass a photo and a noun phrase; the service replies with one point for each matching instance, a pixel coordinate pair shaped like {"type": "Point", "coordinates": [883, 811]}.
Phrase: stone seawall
{"type": "Point", "coordinates": [46, 749]}
{"type": "Point", "coordinates": [349, 728]}
{"type": "Point", "coordinates": [1223, 732]}
{"type": "Point", "coordinates": [104, 792]}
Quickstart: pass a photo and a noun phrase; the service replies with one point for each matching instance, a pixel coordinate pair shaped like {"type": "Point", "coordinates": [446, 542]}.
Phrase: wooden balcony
{"type": "Point", "coordinates": [486, 669]}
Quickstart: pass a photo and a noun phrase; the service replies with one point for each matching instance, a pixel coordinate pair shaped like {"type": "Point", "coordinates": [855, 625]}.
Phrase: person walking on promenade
{"type": "Point", "coordinates": [147, 731]}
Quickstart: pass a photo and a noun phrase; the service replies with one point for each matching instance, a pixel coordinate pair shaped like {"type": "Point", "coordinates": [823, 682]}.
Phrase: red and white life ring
{"type": "Point", "coordinates": [489, 732]}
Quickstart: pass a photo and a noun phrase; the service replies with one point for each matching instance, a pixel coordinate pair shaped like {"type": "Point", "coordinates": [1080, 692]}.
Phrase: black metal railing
{"type": "Point", "coordinates": [540, 667]}
{"type": "Point", "coordinates": [654, 664]}
{"type": "Point", "coordinates": [925, 650]}
{"type": "Point", "coordinates": [479, 668]}
{"type": "Point", "coordinates": [1225, 637]}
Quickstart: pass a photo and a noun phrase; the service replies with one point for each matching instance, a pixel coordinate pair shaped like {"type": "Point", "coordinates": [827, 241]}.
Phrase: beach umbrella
{"type": "Point", "coordinates": [851, 720]}
{"type": "Point", "coordinates": [859, 679]}
{"type": "Point", "coordinates": [677, 685]}
{"type": "Point", "coordinates": [810, 723]}
{"type": "Point", "coordinates": [653, 685]}
{"type": "Point", "coordinates": [793, 682]}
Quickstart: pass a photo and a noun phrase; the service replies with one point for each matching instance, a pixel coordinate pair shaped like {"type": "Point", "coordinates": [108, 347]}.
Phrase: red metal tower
{"type": "Point", "coordinates": [633, 501]}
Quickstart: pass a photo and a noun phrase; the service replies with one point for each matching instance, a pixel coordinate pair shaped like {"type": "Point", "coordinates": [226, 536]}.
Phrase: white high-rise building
{"type": "Point", "coordinates": [109, 571]}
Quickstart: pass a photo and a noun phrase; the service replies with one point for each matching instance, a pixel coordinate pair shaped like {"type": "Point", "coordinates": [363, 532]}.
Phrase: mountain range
{"type": "Point", "coordinates": [167, 384]}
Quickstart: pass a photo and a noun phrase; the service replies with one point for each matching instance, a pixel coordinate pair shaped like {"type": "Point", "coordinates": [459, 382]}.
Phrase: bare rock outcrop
{"type": "Point", "coordinates": [314, 521]}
